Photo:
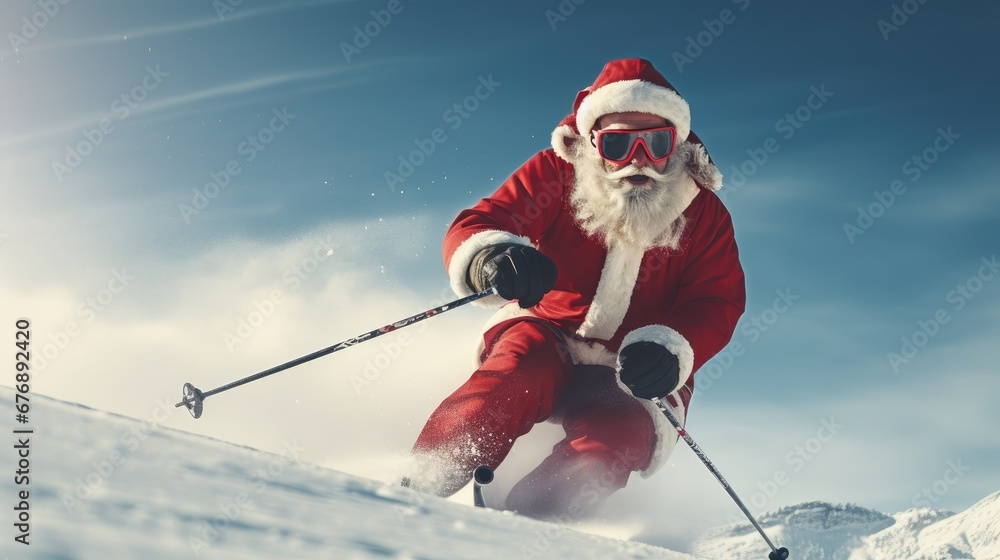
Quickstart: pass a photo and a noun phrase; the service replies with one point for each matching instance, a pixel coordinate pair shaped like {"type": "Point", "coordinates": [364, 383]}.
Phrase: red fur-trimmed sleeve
{"type": "Point", "coordinates": [520, 211]}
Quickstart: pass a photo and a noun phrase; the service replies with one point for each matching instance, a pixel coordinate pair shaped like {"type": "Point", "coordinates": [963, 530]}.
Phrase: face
{"type": "Point", "coordinates": [639, 203]}
{"type": "Point", "coordinates": [640, 159]}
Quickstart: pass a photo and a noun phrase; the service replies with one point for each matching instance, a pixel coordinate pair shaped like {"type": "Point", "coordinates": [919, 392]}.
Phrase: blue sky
{"type": "Point", "coordinates": [838, 103]}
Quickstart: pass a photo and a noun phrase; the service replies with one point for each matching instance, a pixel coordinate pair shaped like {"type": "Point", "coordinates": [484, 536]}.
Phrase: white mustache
{"type": "Point", "coordinates": [630, 170]}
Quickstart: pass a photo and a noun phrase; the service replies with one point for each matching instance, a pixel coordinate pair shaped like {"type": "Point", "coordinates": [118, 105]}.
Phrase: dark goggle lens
{"type": "Point", "coordinates": [659, 143]}
{"type": "Point", "coordinates": [615, 145]}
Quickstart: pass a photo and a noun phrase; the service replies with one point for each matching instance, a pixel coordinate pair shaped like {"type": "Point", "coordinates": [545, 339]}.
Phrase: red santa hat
{"type": "Point", "coordinates": [634, 85]}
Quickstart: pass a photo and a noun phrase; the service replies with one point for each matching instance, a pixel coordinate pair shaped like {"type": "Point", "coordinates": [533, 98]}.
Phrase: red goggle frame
{"type": "Point", "coordinates": [619, 145]}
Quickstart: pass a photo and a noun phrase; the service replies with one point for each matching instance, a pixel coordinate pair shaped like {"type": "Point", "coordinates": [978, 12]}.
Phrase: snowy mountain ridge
{"type": "Point", "coordinates": [827, 531]}
{"type": "Point", "coordinates": [109, 486]}
{"type": "Point", "coordinates": [811, 515]}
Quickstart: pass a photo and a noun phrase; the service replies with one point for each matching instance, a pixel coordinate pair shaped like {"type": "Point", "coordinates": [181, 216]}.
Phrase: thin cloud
{"type": "Point", "coordinates": [233, 89]}
{"type": "Point", "coordinates": [210, 108]}
{"type": "Point", "coordinates": [170, 28]}
{"type": "Point", "coordinates": [949, 200]}
{"type": "Point", "coordinates": [312, 81]}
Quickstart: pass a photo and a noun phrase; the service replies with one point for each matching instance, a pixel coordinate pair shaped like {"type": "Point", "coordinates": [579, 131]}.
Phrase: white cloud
{"type": "Point", "coordinates": [167, 326]}
{"type": "Point", "coordinates": [239, 88]}
{"type": "Point", "coordinates": [214, 19]}
{"type": "Point", "coordinates": [945, 202]}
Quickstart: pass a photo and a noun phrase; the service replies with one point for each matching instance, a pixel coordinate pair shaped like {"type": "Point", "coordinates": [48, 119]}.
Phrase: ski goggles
{"type": "Point", "coordinates": [619, 146]}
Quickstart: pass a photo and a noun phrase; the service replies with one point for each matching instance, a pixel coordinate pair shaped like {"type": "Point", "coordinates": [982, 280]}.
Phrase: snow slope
{"type": "Point", "coordinates": [107, 486]}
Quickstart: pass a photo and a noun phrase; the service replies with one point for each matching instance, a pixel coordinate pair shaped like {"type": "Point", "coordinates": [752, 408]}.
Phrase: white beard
{"type": "Point", "coordinates": [607, 206]}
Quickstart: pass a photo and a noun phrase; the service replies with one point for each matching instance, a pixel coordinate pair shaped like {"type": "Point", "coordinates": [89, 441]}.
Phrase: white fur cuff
{"type": "Point", "coordinates": [669, 339]}
{"type": "Point", "coordinates": [463, 255]}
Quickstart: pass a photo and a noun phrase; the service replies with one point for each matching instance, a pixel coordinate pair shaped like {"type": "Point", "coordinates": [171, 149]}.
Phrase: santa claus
{"type": "Point", "coordinates": [620, 276]}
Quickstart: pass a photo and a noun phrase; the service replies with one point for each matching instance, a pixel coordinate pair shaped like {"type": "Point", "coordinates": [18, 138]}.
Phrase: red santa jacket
{"type": "Point", "coordinates": [688, 299]}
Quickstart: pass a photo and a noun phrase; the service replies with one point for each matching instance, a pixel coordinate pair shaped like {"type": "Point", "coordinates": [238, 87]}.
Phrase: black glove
{"type": "Point", "coordinates": [517, 272]}
{"type": "Point", "coordinates": [648, 369]}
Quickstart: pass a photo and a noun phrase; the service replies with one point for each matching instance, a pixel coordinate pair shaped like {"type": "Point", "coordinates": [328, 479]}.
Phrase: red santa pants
{"type": "Point", "coordinates": [526, 375]}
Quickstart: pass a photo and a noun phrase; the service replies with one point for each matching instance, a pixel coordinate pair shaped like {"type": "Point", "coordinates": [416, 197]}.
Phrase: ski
{"type": "Point", "coordinates": [482, 476]}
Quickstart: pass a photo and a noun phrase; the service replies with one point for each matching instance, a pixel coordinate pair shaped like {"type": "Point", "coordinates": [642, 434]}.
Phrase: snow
{"type": "Point", "coordinates": [974, 533]}
{"type": "Point", "coordinates": [109, 486]}
{"type": "Point", "coordinates": [819, 530]}
{"type": "Point", "coordinates": [805, 529]}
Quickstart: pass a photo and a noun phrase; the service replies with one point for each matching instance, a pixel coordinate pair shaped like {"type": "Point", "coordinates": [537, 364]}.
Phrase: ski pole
{"type": "Point", "coordinates": [194, 398]}
{"type": "Point", "coordinates": [776, 553]}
